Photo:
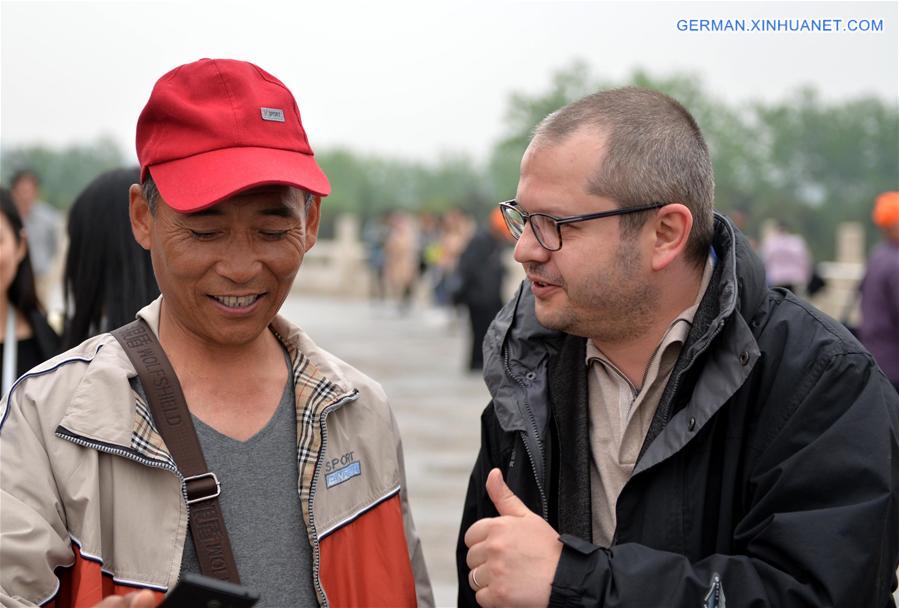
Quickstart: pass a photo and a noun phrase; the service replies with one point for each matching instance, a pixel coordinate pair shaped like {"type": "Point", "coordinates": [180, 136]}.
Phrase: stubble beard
{"type": "Point", "coordinates": [613, 307]}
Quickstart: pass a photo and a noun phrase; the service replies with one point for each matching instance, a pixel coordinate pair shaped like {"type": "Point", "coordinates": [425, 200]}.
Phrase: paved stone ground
{"type": "Point", "coordinates": [419, 358]}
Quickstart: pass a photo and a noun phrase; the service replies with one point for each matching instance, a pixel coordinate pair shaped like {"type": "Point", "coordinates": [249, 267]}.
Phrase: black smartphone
{"type": "Point", "coordinates": [197, 591]}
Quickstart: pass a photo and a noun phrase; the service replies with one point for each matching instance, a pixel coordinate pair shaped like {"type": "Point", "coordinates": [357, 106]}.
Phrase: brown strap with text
{"type": "Point", "coordinates": [176, 427]}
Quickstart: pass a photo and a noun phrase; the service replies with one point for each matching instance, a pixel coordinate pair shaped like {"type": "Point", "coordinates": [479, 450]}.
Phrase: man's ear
{"type": "Point", "coordinates": [313, 217]}
{"type": "Point", "coordinates": [141, 218]}
{"type": "Point", "coordinates": [672, 226]}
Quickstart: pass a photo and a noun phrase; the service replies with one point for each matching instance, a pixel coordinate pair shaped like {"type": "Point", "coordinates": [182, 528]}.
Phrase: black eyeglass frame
{"type": "Point", "coordinates": [512, 205]}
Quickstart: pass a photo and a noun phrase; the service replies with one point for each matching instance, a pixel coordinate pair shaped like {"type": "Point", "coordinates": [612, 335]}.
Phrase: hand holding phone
{"type": "Point", "coordinates": [197, 591]}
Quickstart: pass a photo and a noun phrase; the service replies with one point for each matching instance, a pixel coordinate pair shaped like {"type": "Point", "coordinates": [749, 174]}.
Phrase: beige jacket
{"type": "Point", "coordinates": [92, 503]}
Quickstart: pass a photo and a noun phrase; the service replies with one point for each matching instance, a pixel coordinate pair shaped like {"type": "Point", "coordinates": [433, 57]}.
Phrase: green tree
{"type": "Point", "coordinates": [827, 161]}
{"type": "Point", "coordinates": [799, 159]}
{"type": "Point", "coordinates": [63, 172]}
{"type": "Point", "coordinates": [371, 185]}
{"type": "Point", "coordinates": [522, 115]}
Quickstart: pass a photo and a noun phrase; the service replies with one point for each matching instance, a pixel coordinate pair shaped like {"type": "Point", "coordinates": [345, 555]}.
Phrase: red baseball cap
{"type": "Point", "coordinates": [215, 127]}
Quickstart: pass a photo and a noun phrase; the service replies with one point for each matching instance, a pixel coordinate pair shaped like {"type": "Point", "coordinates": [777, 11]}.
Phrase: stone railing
{"type": "Point", "coordinates": [839, 298]}
{"type": "Point", "coordinates": [338, 267]}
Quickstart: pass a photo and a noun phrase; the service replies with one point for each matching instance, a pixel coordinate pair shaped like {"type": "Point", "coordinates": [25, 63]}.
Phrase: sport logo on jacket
{"type": "Point", "coordinates": [340, 470]}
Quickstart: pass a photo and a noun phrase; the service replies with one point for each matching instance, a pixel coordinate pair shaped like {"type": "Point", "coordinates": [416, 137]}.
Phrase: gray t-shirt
{"type": "Point", "coordinates": [261, 507]}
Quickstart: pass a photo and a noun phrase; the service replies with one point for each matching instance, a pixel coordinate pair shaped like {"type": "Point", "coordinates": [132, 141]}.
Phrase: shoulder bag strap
{"type": "Point", "coordinates": [176, 427]}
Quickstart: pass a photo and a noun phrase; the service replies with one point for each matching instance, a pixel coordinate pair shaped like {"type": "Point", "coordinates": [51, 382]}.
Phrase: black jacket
{"type": "Point", "coordinates": [480, 272]}
{"type": "Point", "coordinates": [769, 474]}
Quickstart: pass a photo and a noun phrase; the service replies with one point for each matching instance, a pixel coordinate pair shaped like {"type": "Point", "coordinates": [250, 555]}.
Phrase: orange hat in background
{"type": "Point", "coordinates": [498, 224]}
{"type": "Point", "coordinates": [886, 210]}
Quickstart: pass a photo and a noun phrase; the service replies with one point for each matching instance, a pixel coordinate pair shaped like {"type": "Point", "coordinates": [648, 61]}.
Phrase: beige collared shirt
{"type": "Point", "coordinates": [620, 414]}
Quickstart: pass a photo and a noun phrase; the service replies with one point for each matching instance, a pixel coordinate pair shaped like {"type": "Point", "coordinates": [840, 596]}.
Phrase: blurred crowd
{"type": "Point", "coordinates": [459, 262]}
{"type": "Point", "coordinates": [874, 300]}
{"type": "Point", "coordinates": [106, 276]}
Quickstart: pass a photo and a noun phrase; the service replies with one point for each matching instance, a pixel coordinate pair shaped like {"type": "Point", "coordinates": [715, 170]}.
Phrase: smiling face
{"type": "Point", "coordinates": [225, 271]}
{"type": "Point", "coordinates": [598, 285]}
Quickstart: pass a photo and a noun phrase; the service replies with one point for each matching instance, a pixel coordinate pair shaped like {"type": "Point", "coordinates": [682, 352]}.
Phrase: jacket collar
{"type": "Point", "coordinates": [721, 329]}
{"type": "Point", "coordinates": [105, 407]}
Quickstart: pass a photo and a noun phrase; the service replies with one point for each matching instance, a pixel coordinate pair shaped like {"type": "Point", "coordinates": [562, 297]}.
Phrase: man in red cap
{"type": "Point", "coordinates": [304, 448]}
{"type": "Point", "coordinates": [879, 329]}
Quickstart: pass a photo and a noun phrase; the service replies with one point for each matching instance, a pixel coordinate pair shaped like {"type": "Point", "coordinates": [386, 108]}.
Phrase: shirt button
{"type": "Point", "coordinates": [692, 424]}
{"type": "Point", "coordinates": [744, 358]}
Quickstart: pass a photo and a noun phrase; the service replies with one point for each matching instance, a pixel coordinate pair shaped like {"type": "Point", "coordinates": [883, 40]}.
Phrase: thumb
{"type": "Point", "coordinates": [503, 498]}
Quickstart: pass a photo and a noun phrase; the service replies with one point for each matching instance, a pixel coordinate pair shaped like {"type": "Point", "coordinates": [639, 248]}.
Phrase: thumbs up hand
{"type": "Point", "coordinates": [511, 558]}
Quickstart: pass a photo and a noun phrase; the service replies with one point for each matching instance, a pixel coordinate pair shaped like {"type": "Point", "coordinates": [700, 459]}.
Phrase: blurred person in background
{"type": "Point", "coordinates": [42, 223]}
{"type": "Point", "coordinates": [456, 228]}
{"type": "Point", "coordinates": [374, 235]}
{"type": "Point", "coordinates": [401, 262]}
{"type": "Point", "coordinates": [25, 337]}
{"type": "Point", "coordinates": [786, 258]}
{"type": "Point", "coordinates": [108, 277]}
{"type": "Point", "coordinates": [479, 281]}
{"type": "Point", "coordinates": [879, 329]}
{"type": "Point", "coordinates": [430, 231]}
{"type": "Point", "coordinates": [740, 219]}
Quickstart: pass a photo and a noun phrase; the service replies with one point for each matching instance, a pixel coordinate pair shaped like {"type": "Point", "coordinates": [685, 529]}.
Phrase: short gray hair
{"type": "Point", "coordinates": [151, 193]}
{"type": "Point", "coordinates": [654, 152]}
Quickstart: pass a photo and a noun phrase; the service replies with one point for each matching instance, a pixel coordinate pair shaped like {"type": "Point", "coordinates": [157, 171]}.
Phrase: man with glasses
{"type": "Point", "coordinates": [665, 430]}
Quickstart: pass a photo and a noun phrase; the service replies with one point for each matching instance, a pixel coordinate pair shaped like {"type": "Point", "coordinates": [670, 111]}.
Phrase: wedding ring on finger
{"type": "Point", "coordinates": [473, 575]}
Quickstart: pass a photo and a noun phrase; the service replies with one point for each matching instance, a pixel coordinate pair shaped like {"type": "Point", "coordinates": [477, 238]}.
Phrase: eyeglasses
{"type": "Point", "coordinates": [548, 228]}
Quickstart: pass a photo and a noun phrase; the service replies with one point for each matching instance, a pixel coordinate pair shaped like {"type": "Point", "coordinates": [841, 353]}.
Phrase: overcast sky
{"type": "Point", "coordinates": [410, 80]}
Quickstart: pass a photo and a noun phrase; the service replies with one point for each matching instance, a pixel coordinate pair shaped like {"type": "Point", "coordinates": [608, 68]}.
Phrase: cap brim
{"type": "Point", "coordinates": [200, 181]}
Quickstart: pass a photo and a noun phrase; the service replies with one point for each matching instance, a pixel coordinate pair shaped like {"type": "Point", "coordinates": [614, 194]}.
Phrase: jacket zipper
{"type": "Point", "coordinates": [543, 502]}
{"type": "Point", "coordinates": [715, 596]}
{"type": "Point", "coordinates": [106, 448]}
{"type": "Point", "coordinates": [316, 550]}
{"type": "Point", "coordinates": [667, 413]}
